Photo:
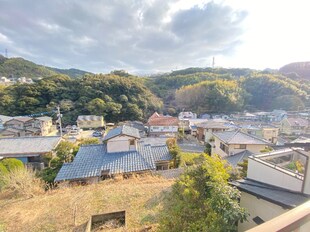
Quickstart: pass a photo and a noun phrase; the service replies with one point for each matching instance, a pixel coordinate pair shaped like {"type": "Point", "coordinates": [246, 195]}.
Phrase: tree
{"type": "Point", "coordinates": [88, 141]}
{"type": "Point", "coordinates": [202, 200]}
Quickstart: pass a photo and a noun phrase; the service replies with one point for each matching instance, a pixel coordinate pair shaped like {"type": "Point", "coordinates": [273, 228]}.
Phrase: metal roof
{"type": "Point", "coordinates": [279, 196]}
{"type": "Point", "coordinates": [89, 118]}
{"type": "Point", "coordinates": [238, 137]}
{"type": "Point", "coordinates": [122, 130]}
{"type": "Point", "coordinates": [92, 159]}
{"type": "Point", "coordinates": [28, 145]}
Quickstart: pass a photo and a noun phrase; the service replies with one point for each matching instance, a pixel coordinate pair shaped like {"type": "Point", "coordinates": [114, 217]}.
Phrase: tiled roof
{"type": "Point", "coordinates": [92, 159]}
{"type": "Point", "coordinates": [213, 125]}
{"type": "Point", "coordinates": [22, 119]}
{"type": "Point", "coordinates": [238, 157]}
{"type": "Point", "coordinates": [28, 145]}
{"type": "Point", "coordinates": [122, 130]}
{"type": "Point", "coordinates": [297, 122]}
{"type": "Point", "coordinates": [279, 196]}
{"type": "Point", "coordinates": [163, 121]}
{"type": "Point", "coordinates": [238, 137]}
{"type": "Point", "coordinates": [89, 118]}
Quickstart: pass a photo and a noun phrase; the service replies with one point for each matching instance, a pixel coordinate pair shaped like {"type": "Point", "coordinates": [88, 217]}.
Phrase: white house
{"type": "Point", "coordinates": [274, 185]}
{"type": "Point", "coordinates": [162, 125]}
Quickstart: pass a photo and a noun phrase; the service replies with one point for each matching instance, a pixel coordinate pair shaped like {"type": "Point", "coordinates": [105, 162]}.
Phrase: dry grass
{"type": "Point", "coordinates": [141, 197]}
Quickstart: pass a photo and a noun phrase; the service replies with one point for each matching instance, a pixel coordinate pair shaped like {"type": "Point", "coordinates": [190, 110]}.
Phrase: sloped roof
{"type": "Point", "coordinates": [89, 118]}
{"type": "Point", "coordinates": [238, 157]}
{"type": "Point", "coordinates": [213, 125]}
{"type": "Point", "coordinates": [44, 118]}
{"type": "Point", "coordinates": [21, 119]}
{"type": "Point", "coordinates": [28, 145]}
{"type": "Point", "coordinates": [164, 121]}
{"type": "Point", "coordinates": [122, 130]}
{"type": "Point", "coordinates": [238, 137]}
{"type": "Point", "coordinates": [92, 159]}
{"type": "Point", "coordinates": [276, 195]}
{"type": "Point", "coordinates": [297, 122]}
{"type": "Point", "coordinates": [4, 118]}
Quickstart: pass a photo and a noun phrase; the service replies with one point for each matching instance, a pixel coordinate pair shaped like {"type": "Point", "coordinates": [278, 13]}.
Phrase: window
{"type": "Point", "coordinates": [258, 220]}
{"type": "Point", "coordinates": [240, 146]}
{"type": "Point", "coordinates": [131, 142]}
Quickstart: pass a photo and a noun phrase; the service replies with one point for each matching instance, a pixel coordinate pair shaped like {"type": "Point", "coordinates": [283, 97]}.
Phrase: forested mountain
{"type": "Point", "coordinates": [117, 98]}
{"type": "Point", "coordinates": [19, 67]}
{"type": "Point", "coordinates": [297, 70]}
{"type": "Point", "coordinates": [227, 90]}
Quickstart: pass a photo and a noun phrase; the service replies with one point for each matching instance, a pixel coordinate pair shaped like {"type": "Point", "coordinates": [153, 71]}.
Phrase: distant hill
{"type": "Point", "coordinates": [19, 67]}
{"type": "Point", "coordinates": [297, 70]}
{"type": "Point", "coordinates": [72, 72]}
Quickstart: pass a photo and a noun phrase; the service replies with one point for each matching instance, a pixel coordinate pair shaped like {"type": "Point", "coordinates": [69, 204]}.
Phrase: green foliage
{"type": "Point", "coordinates": [89, 141]}
{"type": "Point", "coordinates": [243, 168]}
{"type": "Point", "coordinates": [3, 172]}
{"type": "Point", "coordinates": [202, 200]}
{"type": "Point", "coordinates": [117, 98]}
{"type": "Point", "coordinates": [266, 149]}
{"type": "Point", "coordinates": [11, 164]}
{"type": "Point", "coordinates": [208, 148]}
{"type": "Point", "coordinates": [296, 166]}
{"type": "Point", "coordinates": [174, 150]}
{"type": "Point", "coordinates": [188, 159]}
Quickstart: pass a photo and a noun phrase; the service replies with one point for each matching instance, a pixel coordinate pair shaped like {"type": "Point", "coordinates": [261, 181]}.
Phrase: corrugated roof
{"type": "Point", "coordinates": [92, 159]}
{"type": "Point", "coordinates": [279, 196]}
{"type": "Point", "coordinates": [28, 145]}
{"type": "Point", "coordinates": [238, 137]}
{"type": "Point", "coordinates": [122, 130]}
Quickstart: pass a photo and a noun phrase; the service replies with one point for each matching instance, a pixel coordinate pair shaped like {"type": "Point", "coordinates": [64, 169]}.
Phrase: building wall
{"type": "Point", "coordinates": [269, 175]}
{"type": "Point", "coordinates": [209, 133]}
{"type": "Point", "coordinates": [233, 148]}
{"type": "Point", "coordinates": [120, 144]}
{"type": "Point", "coordinates": [270, 134]}
{"type": "Point", "coordinates": [163, 129]}
{"type": "Point", "coordinates": [258, 207]}
{"type": "Point", "coordinates": [90, 124]}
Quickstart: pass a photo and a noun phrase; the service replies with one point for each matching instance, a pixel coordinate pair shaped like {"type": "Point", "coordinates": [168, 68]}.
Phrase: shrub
{"type": "Point", "coordinates": [22, 182]}
{"type": "Point", "coordinates": [12, 164]}
{"type": "Point", "coordinates": [3, 172]}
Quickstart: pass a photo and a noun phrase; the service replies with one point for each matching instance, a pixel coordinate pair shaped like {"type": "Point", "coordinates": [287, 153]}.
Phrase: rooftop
{"type": "Point", "coordinates": [298, 122]}
{"type": "Point", "coordinates": [27, 145]}
{"type": "Point", "coordinates": [279, 196]}
{"type": "Point", "coordinates": [238, 137]}
{"type": "Point", "coordinates": [91, 160]}
{"type": "Point", "coordinates": [22, 119]}
{"type": "Point", "coordinates": [122, 130]}
{"type": "Point", "coordinates": [44, 118]}
{"type": "Point", "coordinates": [89, 118]}
{"type": "Point", "coordinates": [238, 157]}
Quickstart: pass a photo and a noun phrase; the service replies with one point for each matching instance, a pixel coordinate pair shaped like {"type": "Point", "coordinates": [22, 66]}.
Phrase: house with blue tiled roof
{"type": "Point", "coordinates": [121, 153]}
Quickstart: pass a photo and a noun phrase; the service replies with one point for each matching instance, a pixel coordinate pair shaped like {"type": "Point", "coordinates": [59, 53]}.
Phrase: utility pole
{"type": "Point", "coordinates": [59, 115]}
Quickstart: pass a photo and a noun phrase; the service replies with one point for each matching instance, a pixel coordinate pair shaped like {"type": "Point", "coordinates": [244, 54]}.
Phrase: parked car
{"type": "Point", "coordinates": [97, 134]}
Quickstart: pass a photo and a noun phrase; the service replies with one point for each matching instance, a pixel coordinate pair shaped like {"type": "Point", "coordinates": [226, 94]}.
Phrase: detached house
{"type": "Point", "coordinates": [30, 150]}
{"type": "Point", "coordinates": [90, 121]}
{"type": "Point", "coordinates": [229, 143]}
{"type": "Point", "coordinates": [159, 124]}
{"type": "Point", "coordinates": [274, 186]}
{"type": "Point", "coordinates": [294, 126]}
{"type": "Point", "coordinates": [121, 153]}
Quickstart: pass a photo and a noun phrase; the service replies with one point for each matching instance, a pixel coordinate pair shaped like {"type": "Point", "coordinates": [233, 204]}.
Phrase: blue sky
{"type": "Point", "coordinates": [147, 36]}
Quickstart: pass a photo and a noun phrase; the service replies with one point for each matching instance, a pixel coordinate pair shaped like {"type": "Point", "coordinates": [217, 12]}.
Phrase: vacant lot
{"type": "Point", "coordinates": [54, 211]}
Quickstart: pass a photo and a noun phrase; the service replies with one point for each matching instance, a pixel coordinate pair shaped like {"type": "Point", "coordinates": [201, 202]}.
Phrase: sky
{"type": "Point", "coordinates": [150, 36]}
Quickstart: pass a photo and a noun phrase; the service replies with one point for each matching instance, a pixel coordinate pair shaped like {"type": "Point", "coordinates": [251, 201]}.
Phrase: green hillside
{"type": "Point", "coordinates": [19, 67]}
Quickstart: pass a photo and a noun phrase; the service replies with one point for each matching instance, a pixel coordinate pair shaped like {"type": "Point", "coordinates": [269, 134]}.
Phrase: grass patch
{"type": "Point", "coordinates": [54, 210]}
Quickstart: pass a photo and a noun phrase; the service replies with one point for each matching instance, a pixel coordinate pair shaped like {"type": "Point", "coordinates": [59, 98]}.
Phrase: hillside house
{"type": "Point", "coordinates": [30, 150]}
{"type": "Point", "coordinates": [265, 131]}
{"type": "Point", "coordinates": [294, 126]}
{"type": "Point", "coordinates": [273, 186]}
{"type": "Point", "coordinates": [121, 153]}
{"type": "Point", "coordinates": [205, 130]}
{"type": "Point", "coordinates": [90, 122]}
{"type": "Point", "coordinates": [230, 143]}
{"type": "Point", "coordinates": [159, 124]}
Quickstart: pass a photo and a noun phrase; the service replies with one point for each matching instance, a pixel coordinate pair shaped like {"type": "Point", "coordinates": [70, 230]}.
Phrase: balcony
{"type": "Point", "coordinates": [297, 219]}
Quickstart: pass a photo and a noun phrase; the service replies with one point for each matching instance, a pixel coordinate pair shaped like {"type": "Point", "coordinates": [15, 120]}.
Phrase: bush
{"type": "Point", "coordinates": [3, 172]}
{"type": "Point", "coordinates": [188, 159]}
{"type": "Point", "coordinates": [12, 164]}
{"type": "Point", "coordinates": [22, 182]}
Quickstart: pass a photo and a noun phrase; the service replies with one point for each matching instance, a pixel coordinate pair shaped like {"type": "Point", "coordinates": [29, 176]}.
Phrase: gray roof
{"type": "Point", "coordinates": [44, 118]}
{"type": "Point", "coordinates": [238, 137]}
{"type": "Point", "coordinates": [239, 157]}
{"type": "Point", "coordinates": [89, 118]}
{"type": "Point", "coordinates": [122, 130]}
{"type": "Point", "coordinates": [276, 195]}
{"type": "Point", "coordinates": [28, 145]}
{"type": "Point", "coordinates": [92, 159]}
